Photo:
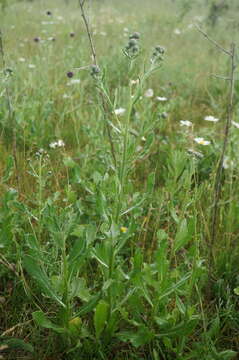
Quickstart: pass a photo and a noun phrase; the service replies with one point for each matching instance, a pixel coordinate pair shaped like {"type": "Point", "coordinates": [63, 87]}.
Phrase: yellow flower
{"type": "Point", "coordinates": [123, 229]}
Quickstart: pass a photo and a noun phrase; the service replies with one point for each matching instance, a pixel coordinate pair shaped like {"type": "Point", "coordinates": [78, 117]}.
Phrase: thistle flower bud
{"type": "Point", "coordinates": [70, 74]}
{"type": "Point", "coordinates": [95, 69]}
{"type": "Point", "coordinates": [135, 49]}
{"type": "Point", "coordinates": [135, 35]}
{"type": "Point", "coordinates": [131, 50]}
{"type": "Point", "coordinates": [132, 42]}
{"type": "Point", "coordinates": [159, 49]}
{"type": "Point", "coordinates": [157, 55]}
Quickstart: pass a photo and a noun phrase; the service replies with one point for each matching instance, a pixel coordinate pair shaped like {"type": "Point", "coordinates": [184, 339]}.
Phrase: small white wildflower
{"type": "Point", "coordinates": [48, 22]}
{"type": "Point", "coordinates": [198, 18]}
{"type": "Point", "coordinates": [126, 29]}
{"type": "Point", "coordinates": [211, 118]}
{"type": "Point", "coordinates": [73, 82]}
{"type": "Point", "coordinates": [134, 82]}
{"type": "Point", "coordinates": [53, 145]}
{"type": "Point", "coordinates": [177, 32]}
{"type": "Point", "coordinates": [227, 163]}
{"type": "Point", "coordinates": [195, 153]}
{"type": "Point", "coordinates": [149, 93]}
{"type": "Point", "coordinates": [66, 96]}
{"type": "Point", "coordinates": [103, 33]}
{"type": "Point", "coordinates": [236, 124]}
{"type": "Point", "coordinates": [22, 59]}
{"type": "Point", "coordinates": [139, 148]}
{"type": "Point", "coordinates": [60, 18]}
{"type": "Point", "coordinates": [185, 123]}
{"type": "Point", "coordinates": [161, 98]}
{"type": "Point", "coordinates": [143, 138]}
{"type": "Point", "coordinates": [58, 143]}
{"type": "Point", "coordinates": [190, 26]}
{"type": "Point", "coordinates": [201, 141]}
{"type": "Point", "coordinates": [31, 66]}
{"type": "Point", "coordinates": [119, 111]}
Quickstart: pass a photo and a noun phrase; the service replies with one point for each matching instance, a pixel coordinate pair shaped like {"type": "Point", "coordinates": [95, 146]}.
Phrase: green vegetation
{"type": "Point", "coordinates": [108, 176]}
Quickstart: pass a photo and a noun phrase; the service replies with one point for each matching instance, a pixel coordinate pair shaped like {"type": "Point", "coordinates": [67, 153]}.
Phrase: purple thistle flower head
{"type": "Point", "coordinates": [70, 74]}
{"type": "Point", "coordinates": [36, 39]}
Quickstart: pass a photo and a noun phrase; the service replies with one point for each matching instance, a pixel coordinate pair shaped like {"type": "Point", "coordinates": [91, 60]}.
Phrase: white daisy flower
{"type": "Point", "coordinates": [119, 111]}
{"type": "Point", "coordinates": [149, 93]}
{"type": "Point", "coordinates": [177, 32]}
{"type": "Point", "coordinates": [227, 163]}
{"type": "Point", "coordinates": [21, 59]}
{"type": "Point", "coordinates": [236, 124]}
{"type": "Point", "coordinates": [73, 82]}
{"type": "Point", "coordinates": [53, 145]}
{"type": "Point", "coordinates": [161, 98]}
{"type": "Point", "coordinates": [211, 118]}
{"type": "Point", "coordinates": [66, 96]}
{"type": "Point", "coordinates": [60, 143]}
{"type": "Point", "coordinates": [185, 123]}
{"type": "Point", "coordinates": [201, 141]}
{"type": "Point", "coordinates": [56, 144]}
{"type": "Point", "coordinates": [134, 82]}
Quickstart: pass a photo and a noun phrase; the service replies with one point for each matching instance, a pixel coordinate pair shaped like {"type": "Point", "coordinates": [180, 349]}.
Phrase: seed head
{"type": "Point", "coordinates": [72, 34]}
{"type": "Point", "coordinates": [49, 13]}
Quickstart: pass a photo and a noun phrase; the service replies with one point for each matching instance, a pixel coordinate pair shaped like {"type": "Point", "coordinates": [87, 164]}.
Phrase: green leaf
{"type": "Point", "coordinates": [174, 287]}
{"type": "Point", "coordinates": [184, 328]}
{"type": "Point", "coordinates": [100, 317]}
{"type": "Point", "coordinates": [14, 343]}
{"type": "Point", "coordinates": [34, 269]}
{"type": "Point", "coordinates": [9, 169]}
{"type": "Point", "coordinates": [236, 291]}
{"type": "Point", "coordinates": [90, 305]}
{"type": "Point", "coordinates": [227, 354]}
{"type": "Point", "coordinates": [182, 237]}
{"type": "Point", "coordinates": [151, 182]}
{"type": "Point", "coordinates": [140, 338]}
{"type": "Point", "coordinates": [40, 318]}
{"type": "Point", "coordinates": [79, 289]}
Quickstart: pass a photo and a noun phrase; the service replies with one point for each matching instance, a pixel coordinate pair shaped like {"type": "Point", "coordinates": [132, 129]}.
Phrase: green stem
{"type": "Point", "coordinates": [122, 177]}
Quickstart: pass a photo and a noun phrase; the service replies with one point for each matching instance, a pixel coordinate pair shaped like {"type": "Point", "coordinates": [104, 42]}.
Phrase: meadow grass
{"type": "Point", "coordinates": [107, 182]}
